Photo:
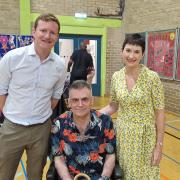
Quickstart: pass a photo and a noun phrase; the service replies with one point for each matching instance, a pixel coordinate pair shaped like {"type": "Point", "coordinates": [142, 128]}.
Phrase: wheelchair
{"type": "Point", "coordinates": [52, 173]}
{"type": "Point", "coordinates": [60, 108]}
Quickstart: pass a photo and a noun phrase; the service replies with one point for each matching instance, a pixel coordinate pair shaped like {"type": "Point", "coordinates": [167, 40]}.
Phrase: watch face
{"type": "Point", "coordinates": [105, 178]}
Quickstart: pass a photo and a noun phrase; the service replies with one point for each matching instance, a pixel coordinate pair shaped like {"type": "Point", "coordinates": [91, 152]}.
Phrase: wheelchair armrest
{"type": "Point", "coordinates": [51, 173]}
{"type": "Point", "coordinates": [117, 172]}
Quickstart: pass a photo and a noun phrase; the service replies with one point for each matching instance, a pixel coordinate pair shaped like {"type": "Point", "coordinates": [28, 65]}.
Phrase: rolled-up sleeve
{"type": "Point", "coordinates": [113, 88]}
{"type": "Point", "coordinates": [59, 86]}
{"type": "Point", "coordinates": [157, 92]}
{"type": "Point", "coordinates": [5, 74]}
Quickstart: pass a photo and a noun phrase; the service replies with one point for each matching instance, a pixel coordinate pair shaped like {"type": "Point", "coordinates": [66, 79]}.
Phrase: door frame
{"type": "Point", "coordinates": [77, 39]}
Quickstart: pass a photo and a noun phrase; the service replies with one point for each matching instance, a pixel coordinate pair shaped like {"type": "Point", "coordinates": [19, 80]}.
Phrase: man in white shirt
{"type": "Point", "coordinates": [31, 83]}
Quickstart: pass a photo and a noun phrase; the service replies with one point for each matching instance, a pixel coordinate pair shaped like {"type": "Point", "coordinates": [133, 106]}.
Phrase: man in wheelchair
{"type": "Point", "coordinates": [83, 140]}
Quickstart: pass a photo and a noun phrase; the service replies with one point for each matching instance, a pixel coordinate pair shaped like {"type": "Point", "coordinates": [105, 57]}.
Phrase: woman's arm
{"type": "Point", "coordinates": [160, 126]}
{"type": "Point", "coordinates": [111, 108]}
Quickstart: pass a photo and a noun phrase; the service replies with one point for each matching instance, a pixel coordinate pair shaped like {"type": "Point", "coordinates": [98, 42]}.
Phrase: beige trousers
{"type": "Point", "coordinates": [14, 139]}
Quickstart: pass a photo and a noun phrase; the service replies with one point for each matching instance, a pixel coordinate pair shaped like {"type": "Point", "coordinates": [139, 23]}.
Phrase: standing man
{"type": "Point", "coordinates": [82, 64]}
{"type": "Point", "coordinates": [83, 140]}
{"type": "Point", "coordinates": [31, 83]}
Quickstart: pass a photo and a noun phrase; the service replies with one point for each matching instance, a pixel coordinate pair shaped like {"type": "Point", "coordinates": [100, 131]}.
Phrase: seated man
{"type": "Point", "coordinates": [83, 140]}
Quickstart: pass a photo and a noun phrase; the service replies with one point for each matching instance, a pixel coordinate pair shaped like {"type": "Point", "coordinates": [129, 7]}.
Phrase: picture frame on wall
{"type": "Point", "coordinates": [161, 54]}
{"type": "Point", "coordinates": [24, 40]}
{"type": "Point", "coordinates": [177, 75]}
{"type": "Point", "coordinates": [7, 43]}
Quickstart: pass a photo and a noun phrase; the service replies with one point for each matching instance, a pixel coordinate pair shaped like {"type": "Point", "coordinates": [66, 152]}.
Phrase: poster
{"type": "Point", "coordinates": [161, 51]}
{"type": "Point", "coordinates": [7, 43]}
{"type": "Point", "coordinates": [24, 40]}
{"type": "Point", "coordinates": [178, 61]}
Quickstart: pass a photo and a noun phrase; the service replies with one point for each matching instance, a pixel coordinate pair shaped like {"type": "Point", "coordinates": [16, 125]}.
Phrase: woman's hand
{"type": "Point", "coordinates": [156, 155]}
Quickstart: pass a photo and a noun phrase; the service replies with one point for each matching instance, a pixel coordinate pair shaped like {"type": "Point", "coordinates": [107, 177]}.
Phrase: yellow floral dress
{"type": "Point", "coordinates": [135, 124]}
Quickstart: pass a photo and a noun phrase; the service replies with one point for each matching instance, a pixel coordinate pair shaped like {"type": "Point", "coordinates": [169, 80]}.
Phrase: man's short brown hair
{"type": "Point", "coordinates": [47, 17]}
{"type": "Point", "coordinates": [80, 84]}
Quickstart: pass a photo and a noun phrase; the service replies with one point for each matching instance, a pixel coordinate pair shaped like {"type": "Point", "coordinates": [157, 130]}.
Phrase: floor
{"type": "Point", "coordinates": [170, 164]}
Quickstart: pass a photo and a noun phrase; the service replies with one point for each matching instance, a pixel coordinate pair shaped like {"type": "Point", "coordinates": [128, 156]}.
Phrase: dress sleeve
{"type": "Point", "coordinates": [113, 88]}
{"type": "Point", "coordinates": [157, 93]}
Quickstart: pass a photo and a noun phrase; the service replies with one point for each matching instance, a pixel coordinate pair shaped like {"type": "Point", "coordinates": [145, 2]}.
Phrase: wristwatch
{"type": "Point", "coordinates": [105, 178]}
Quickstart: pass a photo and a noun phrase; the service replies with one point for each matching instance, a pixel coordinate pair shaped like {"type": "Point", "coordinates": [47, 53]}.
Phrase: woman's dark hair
{"type": "Point", "coordinates": [134, 39]}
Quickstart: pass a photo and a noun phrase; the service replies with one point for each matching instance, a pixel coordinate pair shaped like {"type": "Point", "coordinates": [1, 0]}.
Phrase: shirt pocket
{"type": "Point", "coordinates": [48, 82]}
{"type": "Point", "coordinates": [21, 79]}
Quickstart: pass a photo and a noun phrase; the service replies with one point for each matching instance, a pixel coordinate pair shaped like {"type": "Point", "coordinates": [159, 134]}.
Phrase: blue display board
{"type": "Point", "coordinates": [7, 43]}
{"type": "Point", "coordinates": [24, 40]}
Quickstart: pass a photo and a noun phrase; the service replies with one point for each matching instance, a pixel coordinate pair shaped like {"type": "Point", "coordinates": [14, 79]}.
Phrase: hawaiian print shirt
{"type": "Point", "coordinates": [83, 154]}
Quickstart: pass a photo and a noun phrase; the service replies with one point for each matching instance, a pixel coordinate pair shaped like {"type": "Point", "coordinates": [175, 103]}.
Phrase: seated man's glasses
{"type": "Point", "coordinates": [84, 100]}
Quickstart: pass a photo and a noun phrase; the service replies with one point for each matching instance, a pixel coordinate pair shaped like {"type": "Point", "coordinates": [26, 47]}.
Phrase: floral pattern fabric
{"type": "Point", "coordinates": [85, 154]}
{"type": "Point", "coordinates": [135, 124]}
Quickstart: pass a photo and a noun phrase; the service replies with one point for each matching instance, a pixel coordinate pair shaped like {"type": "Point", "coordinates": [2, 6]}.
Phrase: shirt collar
{"type": "Point", "coordinates": [32, 52]}
{"type": "Point", "coordinates": [95, 120]}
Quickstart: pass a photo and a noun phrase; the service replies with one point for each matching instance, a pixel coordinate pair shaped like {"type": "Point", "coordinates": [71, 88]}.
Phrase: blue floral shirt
{"type": "Point", "coordinates": [83, 154]}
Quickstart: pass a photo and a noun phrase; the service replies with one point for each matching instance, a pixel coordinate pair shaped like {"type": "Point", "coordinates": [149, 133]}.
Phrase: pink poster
{"type": "Point", "coordinates": [161, 50]}
{"type": "Point", "coordinates": [7, 42]}
{"type": "Point", "coordinates": [178, 63]}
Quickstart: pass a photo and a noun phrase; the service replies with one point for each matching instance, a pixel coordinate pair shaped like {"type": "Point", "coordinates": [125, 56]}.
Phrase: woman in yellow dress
{"type": "Point", "coordinates": [137, 94]}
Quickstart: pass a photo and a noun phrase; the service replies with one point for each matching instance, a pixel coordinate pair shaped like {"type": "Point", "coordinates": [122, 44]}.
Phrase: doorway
{"type": "Point", "coordinates": [68, 43]}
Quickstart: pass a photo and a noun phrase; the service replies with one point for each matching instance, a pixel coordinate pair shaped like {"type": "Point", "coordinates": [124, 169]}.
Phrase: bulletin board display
{"type": "Point", "coordinates": [161, 52]}
{"type": "Point", "coordinates": [178, 59]}
{"type": "Point", "coordinates": [24, 40]}
{"type": "Point", "coordinates": [7, 43]}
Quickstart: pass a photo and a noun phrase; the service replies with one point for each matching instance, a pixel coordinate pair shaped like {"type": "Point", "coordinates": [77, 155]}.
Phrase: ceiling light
{"type": "Point", "coordinates": [81, 15]}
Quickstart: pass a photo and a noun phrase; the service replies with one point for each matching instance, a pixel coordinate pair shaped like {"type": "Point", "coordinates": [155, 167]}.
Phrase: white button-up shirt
{"type": "Point", "coordinates": [30, 84]}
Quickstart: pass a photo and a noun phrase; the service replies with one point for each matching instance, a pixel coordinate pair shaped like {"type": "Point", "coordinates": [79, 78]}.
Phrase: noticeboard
{"type": "Point", "coordinates": [7, 43]}
{"type": "Point", "coordinates": [178, 59]}
{"type": "Point", "coordinates": [24, 40]}
{"type": "Point", "coordinates": [161, 52]}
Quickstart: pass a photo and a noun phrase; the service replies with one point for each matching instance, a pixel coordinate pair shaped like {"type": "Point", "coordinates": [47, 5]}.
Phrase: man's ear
{"type": "Point", "coordinates": [33, 31]}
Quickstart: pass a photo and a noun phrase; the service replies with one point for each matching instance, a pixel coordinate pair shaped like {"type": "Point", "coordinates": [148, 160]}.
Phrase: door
{"type": "Point", "coordinates": [68, 43]}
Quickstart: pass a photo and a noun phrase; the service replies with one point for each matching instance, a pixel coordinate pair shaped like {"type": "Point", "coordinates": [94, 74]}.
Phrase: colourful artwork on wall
{"type": "Point", "coordinates": [178, 60]}
{"type": "Point", "coordinates": [24, 40]}
{"type": "Point", "coordinates": [178, 66]}
{"type": "Point", "coordinates": [161, 51]}
{"type": "Point", "coordinates": [7, 43]}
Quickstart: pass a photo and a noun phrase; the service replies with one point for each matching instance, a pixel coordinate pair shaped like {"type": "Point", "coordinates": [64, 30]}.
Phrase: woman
{"type": "Point", "coordinates": [137, 95]}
